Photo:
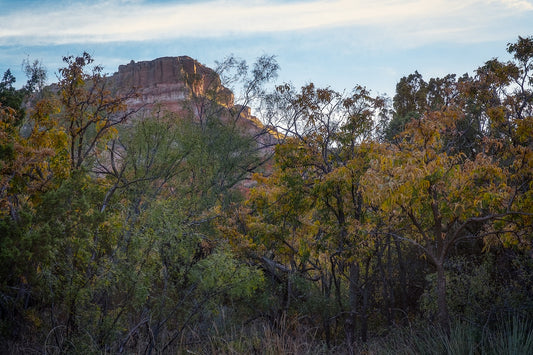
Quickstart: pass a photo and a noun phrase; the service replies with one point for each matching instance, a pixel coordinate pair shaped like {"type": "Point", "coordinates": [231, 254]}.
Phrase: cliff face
{"type": "Point", "coordinates": [167, 81]}
{"type": "Point", "coordinates": [183, 85]}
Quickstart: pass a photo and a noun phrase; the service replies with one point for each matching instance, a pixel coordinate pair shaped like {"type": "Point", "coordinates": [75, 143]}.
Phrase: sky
{"type": "Point", "coordinates": [335, 43]}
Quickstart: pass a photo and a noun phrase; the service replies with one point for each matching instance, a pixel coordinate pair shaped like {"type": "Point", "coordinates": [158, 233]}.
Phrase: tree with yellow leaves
{"type": "Point", "coordinates": [437, 198]}
{"type": "Point", "coordinates": [89, 112]}
{"type": "Point", "coordinates": [306, 218]}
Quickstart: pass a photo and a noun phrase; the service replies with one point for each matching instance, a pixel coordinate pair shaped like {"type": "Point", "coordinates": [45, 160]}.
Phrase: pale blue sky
{"type": "Point", "coordinates": [337, 43]}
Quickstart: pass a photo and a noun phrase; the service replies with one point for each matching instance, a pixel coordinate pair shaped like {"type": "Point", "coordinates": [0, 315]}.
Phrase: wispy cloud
{"type": "Point", "coordinates": [110, 21]}
{"type": "Point", "coordinates": [521, 5]}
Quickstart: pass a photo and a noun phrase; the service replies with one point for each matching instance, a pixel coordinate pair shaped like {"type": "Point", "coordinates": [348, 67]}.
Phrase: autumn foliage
{"type": "Point", "coordinates": [131, 232]}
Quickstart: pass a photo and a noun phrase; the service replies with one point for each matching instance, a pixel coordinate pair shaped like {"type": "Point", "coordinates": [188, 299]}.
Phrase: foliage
{"type": "Point", "coordinates": [89, 112]}
{"type": "Point", "coordinates": [156, 232]}
{"type": "Point", "coordinates": [479, 291]}
{"type": "Point", "coordinates": [9, 96]}
{"type": "Point", "coordinates": [512, 336]}
{"type": "Point", "coordinates": [439, 195]}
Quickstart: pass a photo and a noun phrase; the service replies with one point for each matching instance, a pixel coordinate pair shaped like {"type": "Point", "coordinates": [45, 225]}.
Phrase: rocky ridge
{"type": "Point", "coordinates": [173, 83]}
{"type": "Point", "coordinates": [164, 81]}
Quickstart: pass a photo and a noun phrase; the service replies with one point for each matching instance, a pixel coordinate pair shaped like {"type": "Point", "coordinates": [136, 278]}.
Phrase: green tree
{"type": "Point", "coordinates": [9, 96]}
{"type": "Point", "coordinates": [173, 176]}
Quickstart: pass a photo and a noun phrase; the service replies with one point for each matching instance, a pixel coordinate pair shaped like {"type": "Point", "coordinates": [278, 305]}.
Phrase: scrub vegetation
{"type": "Point", "coordinates": [373, 226]}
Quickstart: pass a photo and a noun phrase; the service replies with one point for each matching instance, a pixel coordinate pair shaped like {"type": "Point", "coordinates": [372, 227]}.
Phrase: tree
{"type": "Point", "coordinates": [13, 98]}
{"type": "Point", "coordinates": [309, 212]}
{"type": "Point", "coordinates": [9, 96]}
{"type": "Point", "coordinates": [36, 74]}
{"type": "Point", "coordinates": [175, 175]}
{"type": "Point", "coordinates": [89, 112]}
{"type": "Point", "coordinates": [32, 162]}
{"type": "Point", "coordinates": [238, 143]}
{"type": "Point", "coordinates": [436, 198]}
{"type": "Point", "coordinates": [410, 101]}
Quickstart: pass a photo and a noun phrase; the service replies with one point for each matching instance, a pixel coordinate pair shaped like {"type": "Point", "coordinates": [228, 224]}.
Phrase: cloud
{"type": "Point", "coordinates": [522, 5]}
{"type": "Point", "coordinates": [135, 20]}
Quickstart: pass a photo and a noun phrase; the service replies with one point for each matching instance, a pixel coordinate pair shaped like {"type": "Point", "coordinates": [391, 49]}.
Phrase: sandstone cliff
{"type": "Point", "coordinates": [183, 85]}
{"type": "Point", "coordinates": [166, 81]}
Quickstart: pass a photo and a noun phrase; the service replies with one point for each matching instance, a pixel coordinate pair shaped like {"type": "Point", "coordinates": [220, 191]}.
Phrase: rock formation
{"type": "Point", "coordinates": [165, 81]}
{"type": "Point", "coordinates": [176, 84]}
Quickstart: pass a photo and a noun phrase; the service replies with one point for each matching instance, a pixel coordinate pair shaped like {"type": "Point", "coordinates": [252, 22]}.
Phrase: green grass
{"type": "Point", "coordinates": [510, 336]}
{"type": "Point", "coordinates": [513, 336]}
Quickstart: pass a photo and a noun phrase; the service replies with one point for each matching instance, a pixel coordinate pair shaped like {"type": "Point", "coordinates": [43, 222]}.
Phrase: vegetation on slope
{"type": "Point", "coordinates": [403, 229]}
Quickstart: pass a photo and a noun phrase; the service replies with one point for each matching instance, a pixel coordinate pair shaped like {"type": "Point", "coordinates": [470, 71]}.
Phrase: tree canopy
{"type": "Point", "coordinates": [346, 218]}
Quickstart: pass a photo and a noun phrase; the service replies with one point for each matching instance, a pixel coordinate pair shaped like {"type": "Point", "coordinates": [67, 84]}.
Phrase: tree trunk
{"type": "Point", "coordinates": [443, 316]}
{"type": "Point", "coordinates": [364, 308]}
{"type": "Point", "coordinates": [353, 294]}
{"type": "Point", "coordinates": [403, 281]}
